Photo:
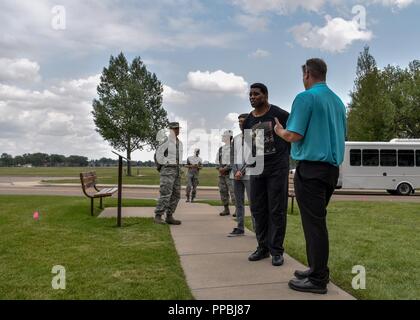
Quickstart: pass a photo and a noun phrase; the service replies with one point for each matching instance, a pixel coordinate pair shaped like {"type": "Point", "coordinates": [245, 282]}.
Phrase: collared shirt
{"type": "Point", "coordinates": [318, 115]}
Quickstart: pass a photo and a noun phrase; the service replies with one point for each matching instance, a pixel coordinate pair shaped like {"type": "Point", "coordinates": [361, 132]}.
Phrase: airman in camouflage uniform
{"type": "Point", "coordinates": [224, 166]}
{"type": "Point", "coordinates": [169, 159]}
{"type": "Point", "coordinates": [194, 165]}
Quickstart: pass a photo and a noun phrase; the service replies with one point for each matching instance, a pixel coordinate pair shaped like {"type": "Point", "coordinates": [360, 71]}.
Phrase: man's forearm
{"type": "Point", "coordinates": [289, 136]}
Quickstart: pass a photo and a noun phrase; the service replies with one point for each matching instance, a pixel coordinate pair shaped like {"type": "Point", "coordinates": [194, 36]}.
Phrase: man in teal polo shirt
{"type": "Point", "coordinates": [317, 130]}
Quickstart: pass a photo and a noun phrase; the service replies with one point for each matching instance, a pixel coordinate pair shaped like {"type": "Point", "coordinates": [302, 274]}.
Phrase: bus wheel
{"type": "Point", "coordinates": [404, 189]}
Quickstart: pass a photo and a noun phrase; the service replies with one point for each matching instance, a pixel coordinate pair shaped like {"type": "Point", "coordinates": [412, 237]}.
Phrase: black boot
{"type": "Point", "coordinates": [170, 220]}
{"type": "Point", "coordinates": [158, 219]}
{"type": "Point", "coordinates": [225, 212]}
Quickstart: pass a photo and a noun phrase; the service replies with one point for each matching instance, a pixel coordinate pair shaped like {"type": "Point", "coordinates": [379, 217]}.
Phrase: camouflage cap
{"type": "Point", "coordinates": [174, 125]}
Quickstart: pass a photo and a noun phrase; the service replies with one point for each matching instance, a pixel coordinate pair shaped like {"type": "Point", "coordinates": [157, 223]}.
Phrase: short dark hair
{"type": "Point", "coordinates": [243, 115]}
{"type": "Point", "coordinates": [317, 68]}
{"type": "Point", "coordinates": [260, 86]}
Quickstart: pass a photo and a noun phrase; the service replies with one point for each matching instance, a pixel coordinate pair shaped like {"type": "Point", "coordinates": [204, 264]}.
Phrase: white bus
{"type": "Point", "coordinates": [393, 166]}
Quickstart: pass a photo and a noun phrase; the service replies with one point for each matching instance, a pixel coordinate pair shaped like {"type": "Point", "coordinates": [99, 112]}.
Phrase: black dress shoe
{"type": "Point", "coordinates": [258, 255]}
{"type": "Point", "coordinates": [302, 274]}
{"type": "Point", "coordinates": [277, 260]}
{"type": "Point", "coordinates": [305, 285]}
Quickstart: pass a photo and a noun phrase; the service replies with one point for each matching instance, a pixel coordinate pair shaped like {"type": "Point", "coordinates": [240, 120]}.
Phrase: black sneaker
{"type": "Point", "coordinates": [259, 255]}
{"type": "Point", "coordinates": [236, 233]}
{"type": "Point", "coordinates": [277, 260]}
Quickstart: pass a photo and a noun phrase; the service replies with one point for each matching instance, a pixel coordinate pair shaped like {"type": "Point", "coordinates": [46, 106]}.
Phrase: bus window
{"type": "Point", "coordinates": [406, 158]}
{"type": "Point", "coordinates": [370, 157]}
{"type": "Point", "coordinates": [418, 158]}
{"type": "Point", "coordinates": [355, 157]}
{"type": "Point", "coordinates": [388, 158]}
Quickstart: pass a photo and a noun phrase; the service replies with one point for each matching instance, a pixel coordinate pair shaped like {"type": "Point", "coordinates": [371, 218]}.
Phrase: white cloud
{"type": "Point", "coordinates": [335, 36]}
{"type": "Point", "coordinates": [84, 88]}
{"type": "Point", "coordinates": [400, 4]}
{"type": "Point", "coordinates": [172, 96]}
{"type": "Point", "coordinates": [56, 119]}
{"type": "Point", "coordinates": [13, 93]}
{"type": "Point", "coordinates": [94, 26]}
{"type": "Point", "coordinates": [232, 117]}
{"type": "Point", "coordinates": [251, 23]}
{"type": "Point", "coordinates": [19, 70]}
{"type": "Point", "coordinates": [259, 53]}
{"type": "Point", "coordinates": [218, 82]}
{"type": "Point", "coordinates": [284, 7]}
{"type": "Point", "coordinates": [281, 7]}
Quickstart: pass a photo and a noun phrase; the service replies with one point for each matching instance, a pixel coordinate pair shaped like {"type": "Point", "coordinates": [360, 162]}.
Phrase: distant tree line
{"type": "Point", "coordinates": [58, 160]}
{"type": "Point", "coordinates": [43, 160]}
{"type": "Point", "coordinates": [385, 103]}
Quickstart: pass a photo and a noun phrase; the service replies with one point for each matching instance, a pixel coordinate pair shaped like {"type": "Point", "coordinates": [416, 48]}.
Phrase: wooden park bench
{"type": "Point", "coordinates": [91, 191]}
{"type": "Point", "coordinates": [291, 191]}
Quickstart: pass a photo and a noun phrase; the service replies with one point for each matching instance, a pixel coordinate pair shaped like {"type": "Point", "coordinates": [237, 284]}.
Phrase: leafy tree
{"type": "Point", "coordinates": [6, 160]}
{"type": "Point", "coordinates": [385, 103]}
{"type": "Point", "coordinates": [128, 113]}
{"type": "Point", "coordinates": [409, 110]}
{"type": "Point", "coordinates": [19, 161]}
{"type": "Point", "coordinates": [37, 159]}
{"type": "Point", "coordinates": [57, 160]}
{"type": "Point", "coordinates": [77, 161]}
{"type": "Point", "coordinates": [371, 113]}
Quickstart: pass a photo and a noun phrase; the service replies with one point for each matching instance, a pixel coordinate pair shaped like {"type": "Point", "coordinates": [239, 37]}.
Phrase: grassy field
{"type": "Point", "coordinates": [138, 261]}
{"type": "Point", "coordinates": [141, 176]}
{"type": "Point", "coordinates": [382, 237]}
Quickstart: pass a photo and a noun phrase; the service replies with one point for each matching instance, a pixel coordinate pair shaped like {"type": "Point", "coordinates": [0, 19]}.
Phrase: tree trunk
{"type": "Point", "coordinates": [129, 163]}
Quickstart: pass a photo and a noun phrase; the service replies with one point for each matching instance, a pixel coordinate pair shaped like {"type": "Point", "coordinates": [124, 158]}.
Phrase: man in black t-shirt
{"type": "Point", "coordinates": [269, 189]}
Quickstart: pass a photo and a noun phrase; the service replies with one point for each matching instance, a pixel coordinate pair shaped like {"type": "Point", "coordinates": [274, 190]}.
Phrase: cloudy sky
{"type": "Point", "coordinates": [206, 53]}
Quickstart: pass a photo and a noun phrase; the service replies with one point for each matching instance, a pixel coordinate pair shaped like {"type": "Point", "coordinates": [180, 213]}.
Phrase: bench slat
{"type": "Point", "coordinates": [88, 179]}
{"type": "Point", "coordinates": [106, 192]}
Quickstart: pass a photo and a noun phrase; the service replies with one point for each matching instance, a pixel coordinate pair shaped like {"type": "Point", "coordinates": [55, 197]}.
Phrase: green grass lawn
{"type": "Point", "coordinates": [138, 261]}
{"type": "Point", "coordinates": [382, 237]}
{"type": "Point", "coordinates": [141, 176]}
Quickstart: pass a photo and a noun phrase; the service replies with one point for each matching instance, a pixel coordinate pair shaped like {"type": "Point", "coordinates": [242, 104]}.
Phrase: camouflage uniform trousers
{"type": "Point", "coordinates": [192, 183]}
{"type": "Point", "coordinates": [226, 188]}
{"type": "Point", "coordinates": [170, 190]}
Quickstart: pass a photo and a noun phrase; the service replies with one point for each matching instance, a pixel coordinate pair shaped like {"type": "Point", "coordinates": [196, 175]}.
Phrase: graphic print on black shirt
{"type": "Point", "coordinates": [276, 150]}
{"type": "Point", "coordinates": [269, 145]}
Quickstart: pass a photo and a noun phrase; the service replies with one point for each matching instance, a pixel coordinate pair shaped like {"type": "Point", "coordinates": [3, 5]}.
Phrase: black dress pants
{"type": "Point", "coordinates": [314, 185]}
{"type": "Point", "coordinates": [269, 208]}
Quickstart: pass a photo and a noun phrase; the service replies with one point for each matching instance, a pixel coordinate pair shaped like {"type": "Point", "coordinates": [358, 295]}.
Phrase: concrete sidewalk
{"type": "Point", "coordinates": [217, 267]}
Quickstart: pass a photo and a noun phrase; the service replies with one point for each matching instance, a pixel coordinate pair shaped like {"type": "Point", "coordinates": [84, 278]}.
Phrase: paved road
{"type": "Point", "coordinates": [24, 188]}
